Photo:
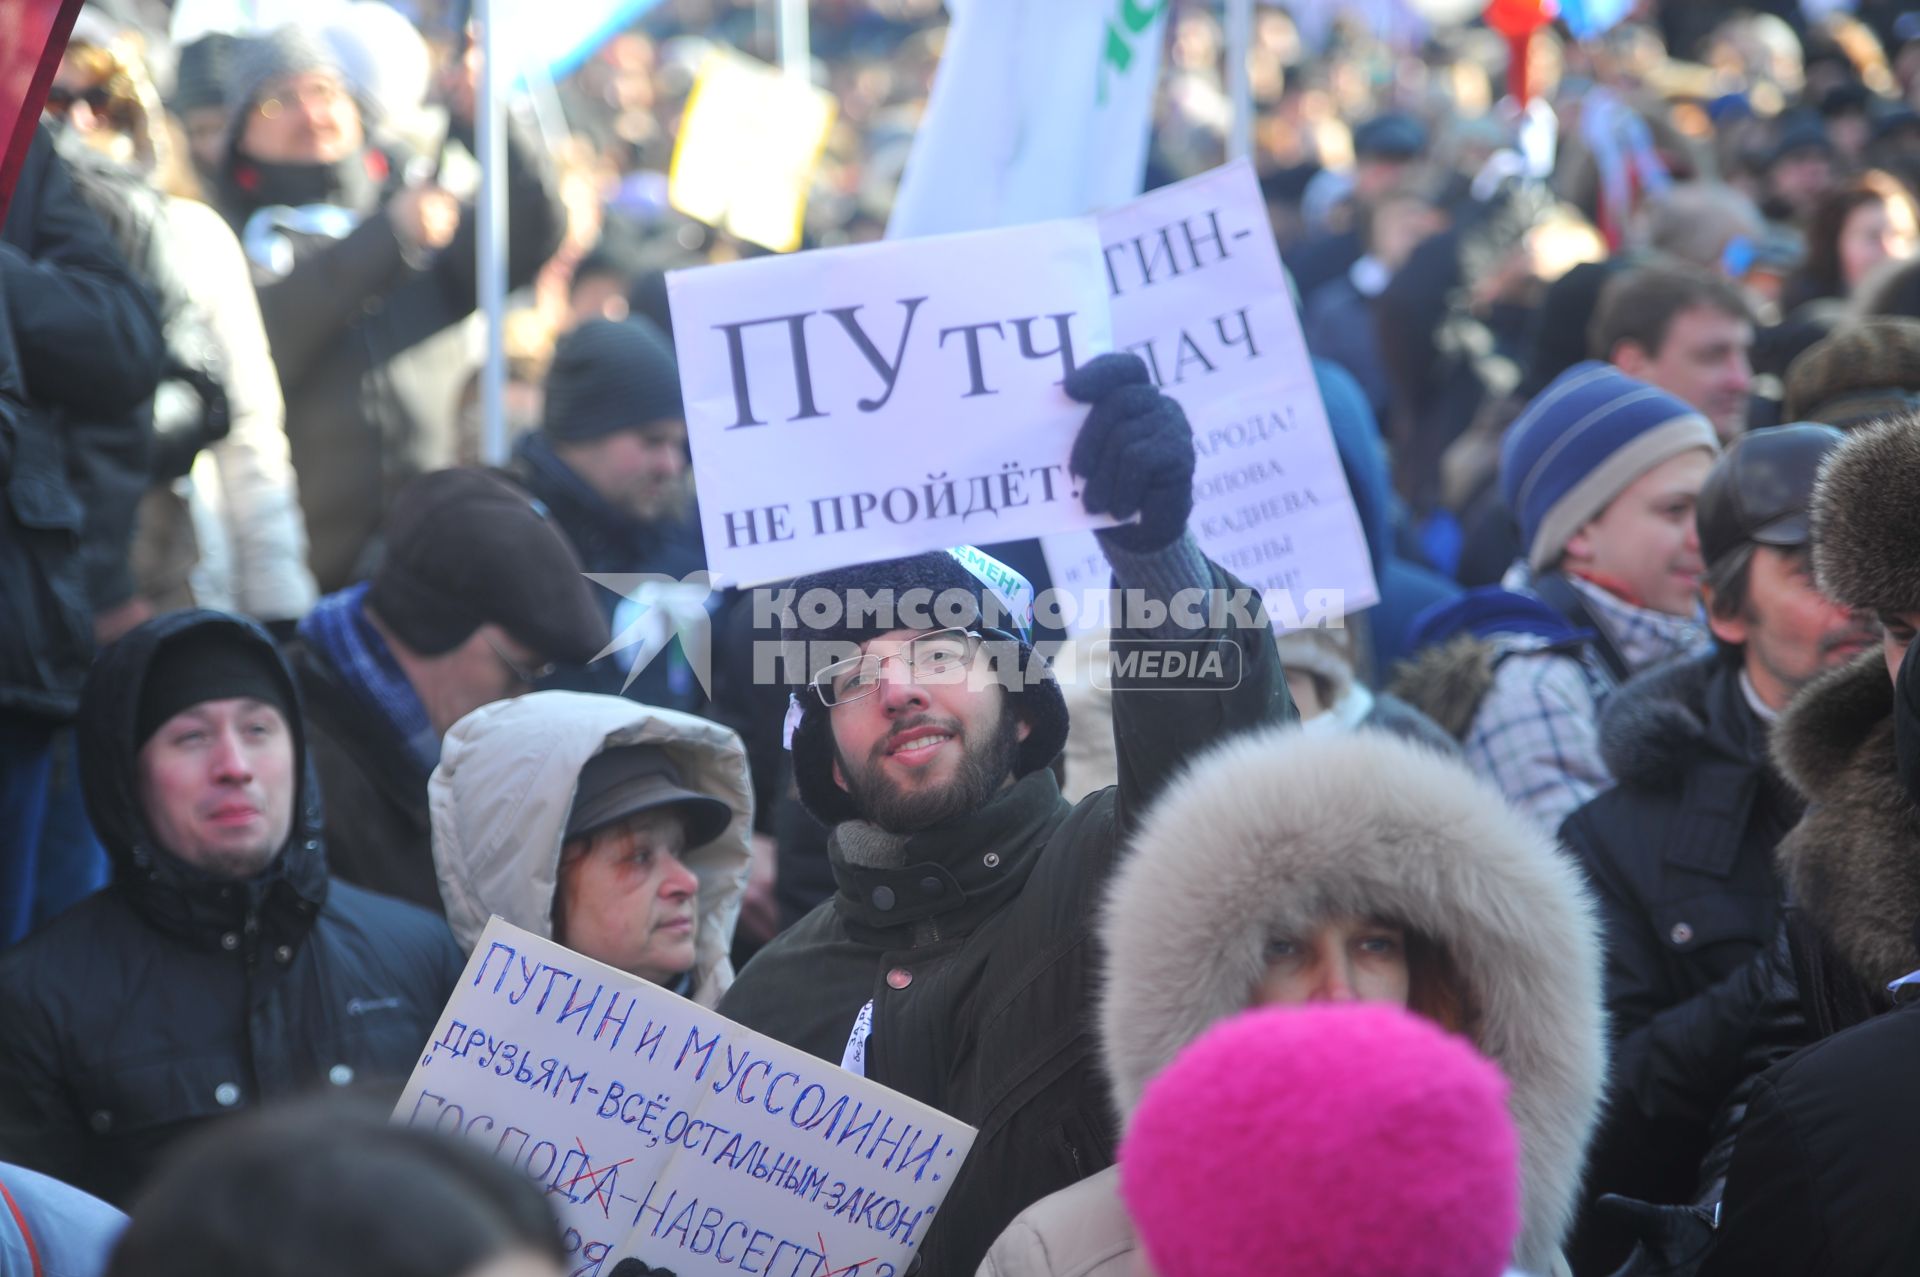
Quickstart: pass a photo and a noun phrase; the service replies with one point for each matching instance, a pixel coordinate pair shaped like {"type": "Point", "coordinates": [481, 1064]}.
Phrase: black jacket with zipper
{"type": "Point", "coordinates": [173, 997]}
{"type": "Point", "coordinates": [1825, 1177]}
{"type": "Point", "coordinates": [1680, 857]}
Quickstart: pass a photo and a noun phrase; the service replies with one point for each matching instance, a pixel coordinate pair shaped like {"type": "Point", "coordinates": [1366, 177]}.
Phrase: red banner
{"type": "Point", "coordinates": [33, 34]}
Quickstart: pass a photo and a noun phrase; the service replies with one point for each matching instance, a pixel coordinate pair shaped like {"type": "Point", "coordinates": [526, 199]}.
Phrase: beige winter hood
{"type": "Point", "coordinates": [505, 784]}
{"type": "Point", "coordinates": [1274, 832]}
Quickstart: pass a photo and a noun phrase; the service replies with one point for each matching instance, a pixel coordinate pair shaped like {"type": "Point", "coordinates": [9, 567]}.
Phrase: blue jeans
{"type": "Point", "coordinates": [26, 766]}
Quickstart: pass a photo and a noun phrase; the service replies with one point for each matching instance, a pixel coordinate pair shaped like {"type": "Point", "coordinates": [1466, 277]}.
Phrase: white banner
{"type": "Point", "coordinates": [1039, 110]}
{"type": "Point", "coordinates": [666, 1133]}
{"type": "Point", "coordinates": [1197, 291]}
{"type": "Point", "coordinates": [857, 404]}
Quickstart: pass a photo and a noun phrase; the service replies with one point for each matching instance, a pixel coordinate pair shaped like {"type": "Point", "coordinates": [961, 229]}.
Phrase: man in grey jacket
{"type": "Point", "coordinates": [955, 962]}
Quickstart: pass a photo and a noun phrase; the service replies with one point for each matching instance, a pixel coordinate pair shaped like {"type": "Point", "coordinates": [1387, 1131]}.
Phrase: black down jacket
{"type": "Point", "coordinates": [1680, 857]}
{"type": "Point", "coordinates": [173, 997]}
{"type": "Point", "coordinates": [1825, 1178]}
{"type": "Point", "coordinates": [82, 354]}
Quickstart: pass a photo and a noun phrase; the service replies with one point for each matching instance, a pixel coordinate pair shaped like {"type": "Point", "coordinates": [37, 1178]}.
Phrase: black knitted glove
{"type": "Point", "coordinates": [1134, 454]}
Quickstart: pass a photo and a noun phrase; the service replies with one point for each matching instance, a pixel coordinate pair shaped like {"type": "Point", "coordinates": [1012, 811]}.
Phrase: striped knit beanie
{"type": "Point", "coordinates": [1581, 443]}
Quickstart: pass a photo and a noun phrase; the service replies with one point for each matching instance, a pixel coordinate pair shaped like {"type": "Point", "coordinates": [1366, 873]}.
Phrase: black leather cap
{"type": "Point", "coordinates": [1760, 490]}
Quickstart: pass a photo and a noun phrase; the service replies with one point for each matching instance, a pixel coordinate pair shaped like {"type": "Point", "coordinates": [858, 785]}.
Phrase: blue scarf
{"type": "Point", "coordinates": [337, 628]}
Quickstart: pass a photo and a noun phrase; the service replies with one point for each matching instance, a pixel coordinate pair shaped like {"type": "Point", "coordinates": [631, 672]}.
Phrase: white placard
{"type": "Point", "coordinates": [750, 139]}
{"type": "Point", "coordinates": [856, 404]}
{"type": "Point", "coordinates": [1197, 291]}
{"type": "Point", "coordinates": [664, 1132]}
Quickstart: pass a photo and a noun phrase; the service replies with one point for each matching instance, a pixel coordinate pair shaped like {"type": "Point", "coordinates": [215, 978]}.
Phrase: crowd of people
{"type": "Point", "coordinates": [1558, 914]}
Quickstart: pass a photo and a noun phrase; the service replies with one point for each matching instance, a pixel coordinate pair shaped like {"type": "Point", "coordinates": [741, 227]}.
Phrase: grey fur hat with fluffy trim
{"type": "Point", "coordinates": [1866, 519]}
{"type": "Point", "coordinates": [1273, 833]}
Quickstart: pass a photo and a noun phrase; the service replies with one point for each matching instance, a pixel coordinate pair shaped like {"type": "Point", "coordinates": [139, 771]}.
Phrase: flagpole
{"type": "Point", "coordinates": [491, 264]}
{"type": "Point", "coordinates": [796, 41]}
{"type": "Point", "coordinates": [549, 112]}
{"type": "Point", "coordinates": [1239, 86]}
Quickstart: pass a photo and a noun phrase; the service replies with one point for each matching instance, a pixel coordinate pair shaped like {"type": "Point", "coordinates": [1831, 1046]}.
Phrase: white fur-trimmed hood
{"type": "Point", "coordinates": [1273, 832]}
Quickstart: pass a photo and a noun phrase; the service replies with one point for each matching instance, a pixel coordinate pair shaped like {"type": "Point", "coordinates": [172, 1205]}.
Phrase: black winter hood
{"type": "Point", "coordinates": [170, 894]}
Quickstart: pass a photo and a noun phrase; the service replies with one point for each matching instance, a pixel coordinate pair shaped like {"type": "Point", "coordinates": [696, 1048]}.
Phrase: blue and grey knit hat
{"type": "Point", "coordinates": [1580, 443]}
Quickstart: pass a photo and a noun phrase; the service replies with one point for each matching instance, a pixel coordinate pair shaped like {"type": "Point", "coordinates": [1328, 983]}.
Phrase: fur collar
{"type": "Point", "coordinates": [1447, 682]}
{"type": "Point", "coordinates": [1853, 862]}
{"type": "Point", "coordinates": [1274, 831]}
{"type": "Point", "coordinates": [1655, 729]}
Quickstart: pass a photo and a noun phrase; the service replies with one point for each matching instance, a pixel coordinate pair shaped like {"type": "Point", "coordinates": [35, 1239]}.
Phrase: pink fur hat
{"type": "Point", "coordinates": [1344, 1140]}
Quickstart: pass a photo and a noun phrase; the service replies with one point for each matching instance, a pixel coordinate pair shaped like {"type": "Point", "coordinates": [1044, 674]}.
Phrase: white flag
{"type": "Point", "coordinates": [1040, 109]}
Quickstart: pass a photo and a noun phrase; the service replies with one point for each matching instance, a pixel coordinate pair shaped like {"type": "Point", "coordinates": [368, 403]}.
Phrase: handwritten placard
{"type": "Point", "coordinates": [856, 404]}
{"type": "Point", "coordinates": [749, 142]}
{"type": "Point", "coordinates": [1197, 291]}
{"type": "Point", "coordinates": [664, 1132]}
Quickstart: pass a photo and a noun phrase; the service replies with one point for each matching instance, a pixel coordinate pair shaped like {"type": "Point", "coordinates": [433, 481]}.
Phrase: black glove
{"type": "Point", "coordinates": [635, 1268]}
{"type": "Point", "coordinates": [1135, 453]}
{"type": "Point", "coordinates": [1673, 1240]}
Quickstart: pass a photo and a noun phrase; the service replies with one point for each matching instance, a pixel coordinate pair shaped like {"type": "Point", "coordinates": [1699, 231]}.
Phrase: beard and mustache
{"type": "Point", "coordinates": [985, 765]}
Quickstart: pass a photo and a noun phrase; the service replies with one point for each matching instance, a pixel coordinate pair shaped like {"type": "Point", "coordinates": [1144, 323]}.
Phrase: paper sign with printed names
{"type": "Point", "coordinates": [664, 1132]}
{"type": "Point", "coordinates": [855, 404]}
{"type": "Point", "coordinates": [1198, 292]}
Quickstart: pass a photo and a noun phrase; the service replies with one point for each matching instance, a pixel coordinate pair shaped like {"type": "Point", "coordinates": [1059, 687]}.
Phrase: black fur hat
{"type": "Point", "coordinates": [942, 588]}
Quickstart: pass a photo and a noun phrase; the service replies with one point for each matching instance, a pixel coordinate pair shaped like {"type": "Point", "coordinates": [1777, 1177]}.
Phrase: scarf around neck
{"type": "Point", "coordinates": [338, 629]}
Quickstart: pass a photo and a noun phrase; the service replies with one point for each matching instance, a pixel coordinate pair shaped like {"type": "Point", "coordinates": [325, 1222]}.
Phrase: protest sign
{"type": "Point", "coordinates": [666, 1133]}
{"type": "Point", "coordinates": [857, 404]}
{"type": "Point", "coordinates": [749, 142]}
{"type": "Point", "coordinates": [1197, 292]}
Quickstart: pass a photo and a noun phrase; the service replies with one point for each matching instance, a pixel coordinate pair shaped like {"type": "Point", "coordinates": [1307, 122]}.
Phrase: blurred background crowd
{"type": "Point", "coordinates": [1775, 149]}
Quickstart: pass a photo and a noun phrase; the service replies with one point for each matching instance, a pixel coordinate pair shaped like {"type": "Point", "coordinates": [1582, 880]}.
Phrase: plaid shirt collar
{"type": "Point", "coordinates": [1646, 638]}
